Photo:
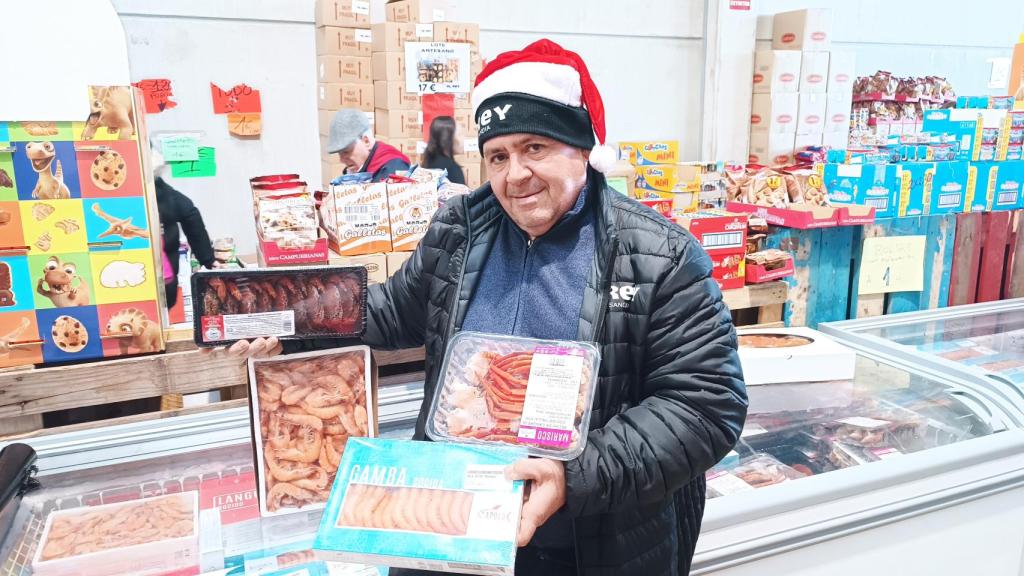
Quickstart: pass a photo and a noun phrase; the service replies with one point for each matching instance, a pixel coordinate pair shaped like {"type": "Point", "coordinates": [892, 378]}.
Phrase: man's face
{"type": "Point", "coordinates": [536, 179]}
{"type": "Point", "coordinates": [355, 155]}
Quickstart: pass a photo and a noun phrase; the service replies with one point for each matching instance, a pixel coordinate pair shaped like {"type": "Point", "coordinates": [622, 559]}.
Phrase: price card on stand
{"type": "Point", "coordinates": [892, 264]}
{"type": "Point", "coordinates": [437, 67]}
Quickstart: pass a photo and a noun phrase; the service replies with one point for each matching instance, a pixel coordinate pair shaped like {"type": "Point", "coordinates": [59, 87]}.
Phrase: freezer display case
{"type": "Point", "coordinates": [985, 340]}
{"type": "Point", "coordinates": [827, 476]}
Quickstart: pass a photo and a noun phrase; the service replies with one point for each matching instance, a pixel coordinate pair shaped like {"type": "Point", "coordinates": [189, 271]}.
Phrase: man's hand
{"type": "Point", "coordinates": [546, 494]}
{"type": "Point", "coordinates": [245, 349]}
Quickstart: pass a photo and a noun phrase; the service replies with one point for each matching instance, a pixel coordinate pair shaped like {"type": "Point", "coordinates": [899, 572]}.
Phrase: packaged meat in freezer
{"type": "Point", "coordinates": [510, 390]}
{"type": "Point", "coordinates": [305, 407]}
{"type": "Point", "coordinates": [426, 505]}
{"type": "Point", "coordinates": [756, 471]}
{"type": "Point", "coordinates": [289, 303]}
{"type": "Point", "coordinates": [148, 536]}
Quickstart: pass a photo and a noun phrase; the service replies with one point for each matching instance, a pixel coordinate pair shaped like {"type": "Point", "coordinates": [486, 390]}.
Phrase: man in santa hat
{"type": "Point", "coordinates": [547, 250]}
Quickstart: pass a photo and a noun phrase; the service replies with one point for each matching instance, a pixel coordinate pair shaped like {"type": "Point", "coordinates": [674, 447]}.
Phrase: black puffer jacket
{"type": "Point", "coordinates": [670, 401]}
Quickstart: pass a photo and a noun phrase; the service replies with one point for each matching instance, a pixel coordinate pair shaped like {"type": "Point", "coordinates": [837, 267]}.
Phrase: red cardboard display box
{"type": "Point", "coordinates": [724, 236]}
{"type": "Point", "coordinates": [759, 273]}
{"type": "Point", "coordinates": [269, 253]}
{"type": "Point", "coordinates": [796, 216]}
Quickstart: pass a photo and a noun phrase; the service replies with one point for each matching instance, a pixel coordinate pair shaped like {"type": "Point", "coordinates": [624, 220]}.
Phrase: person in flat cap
{"type": "Point", "coordinates": [546, 249]}
{"type": "Point", "coordinates": [352, 140]}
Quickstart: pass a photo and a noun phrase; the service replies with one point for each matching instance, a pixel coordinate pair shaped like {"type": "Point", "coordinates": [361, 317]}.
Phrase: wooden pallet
{"type": "Point", "coordinates": [988, 261]}
{"type": "Point", "coordinates": [26, 394]}
{"type": "Point", "coordinates": [827, 261]}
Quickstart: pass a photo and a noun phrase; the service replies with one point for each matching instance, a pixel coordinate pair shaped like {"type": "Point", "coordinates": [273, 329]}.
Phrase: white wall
{"type": "Point", "coordinates": [647, 58]}
{"type": "Point", "coordinates": [951, 38]}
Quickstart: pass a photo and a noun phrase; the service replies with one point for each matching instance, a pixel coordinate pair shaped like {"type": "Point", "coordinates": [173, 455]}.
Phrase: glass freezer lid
{"type": "Point", "coordinates": [797, 430]}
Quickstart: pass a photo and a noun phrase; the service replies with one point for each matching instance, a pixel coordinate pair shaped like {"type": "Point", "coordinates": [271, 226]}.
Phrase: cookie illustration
{"type": "Point", "coordinates": [108, 170]}
{"type": "Point", "coordinates": [69, 335]}
{"type": "Point", "coordinates": [44, 242]}
{"type": "Point", "coordinates": [40, 128]}
{"type": "Point", "coordinates": [5, 179]}
{"type": "Point", "coordinates": [41, 211]}
{"type": "Point", "coordinates": [5, 217]}
{"type": "Point", "coordinates": [68, 225]}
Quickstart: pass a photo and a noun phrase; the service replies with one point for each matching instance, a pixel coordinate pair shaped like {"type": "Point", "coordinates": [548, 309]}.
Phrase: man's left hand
{"type": "Point", "coordinates": [546, 494]}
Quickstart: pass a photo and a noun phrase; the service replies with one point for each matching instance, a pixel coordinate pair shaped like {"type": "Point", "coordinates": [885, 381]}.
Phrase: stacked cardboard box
{"type": "Point", "coordinates": [399, 114]}
{"type": "Point", "coordinates": [343, 50]}
{"type": "Point", "coordinates": [803, 93]}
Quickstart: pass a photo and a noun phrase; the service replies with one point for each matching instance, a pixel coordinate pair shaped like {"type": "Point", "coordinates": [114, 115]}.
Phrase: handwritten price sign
{"type": "Point", "coordinates": [157, 94]}
{"type": "Point", "coordinates": [892, 264]}
{"type": "Point", "coordinates": [204, 167]}
{"type": "Point", "coordinates": [241, 99]}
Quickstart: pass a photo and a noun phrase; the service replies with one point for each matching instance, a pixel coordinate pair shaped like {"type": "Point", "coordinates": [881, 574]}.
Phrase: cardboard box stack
{"type": "Point", "coordinates": [803, 92]}
{"type": "Point", "coordinates": [399, 114]}
{"type": "Point", "coordinates": [343, 49]}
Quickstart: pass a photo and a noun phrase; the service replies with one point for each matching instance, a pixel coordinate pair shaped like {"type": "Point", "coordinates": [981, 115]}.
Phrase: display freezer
{"type": "Point", "coordinates": [941, 483]}
{"type": "Point", "coordinates": [984, 340]}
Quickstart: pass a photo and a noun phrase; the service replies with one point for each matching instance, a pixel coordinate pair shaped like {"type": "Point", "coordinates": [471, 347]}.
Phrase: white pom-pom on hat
{"type": "Point", "coordinates": [603, 158]}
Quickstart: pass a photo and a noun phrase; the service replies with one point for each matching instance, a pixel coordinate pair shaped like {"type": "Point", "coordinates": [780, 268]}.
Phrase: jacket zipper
{"type": "Point", "coordinates": [462, 272]}
{"type": "Point", "coordinates": [605, 290]}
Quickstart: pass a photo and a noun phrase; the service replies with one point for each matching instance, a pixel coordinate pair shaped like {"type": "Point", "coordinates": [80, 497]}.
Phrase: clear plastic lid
{"type": "Point", "coordinates": [519, 391]}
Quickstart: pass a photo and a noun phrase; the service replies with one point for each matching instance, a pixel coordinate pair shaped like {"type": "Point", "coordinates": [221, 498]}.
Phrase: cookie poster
{"type": "Point", "coordinates": [77, 273]}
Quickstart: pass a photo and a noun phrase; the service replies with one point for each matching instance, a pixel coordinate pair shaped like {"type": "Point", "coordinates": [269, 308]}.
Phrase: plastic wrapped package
{"type": "Point", "coordinates": [147, 536]}
{"type": "Point", "coordinates": [288, 303]}
{"type": "Point", "coordinates": [521, 391]}
{"type": "Point", "coordinates": [756, 471]}
{"type": "Point", "coordinates": [394, 504]}
{"type": "Point", "coordinates": [305, 408]}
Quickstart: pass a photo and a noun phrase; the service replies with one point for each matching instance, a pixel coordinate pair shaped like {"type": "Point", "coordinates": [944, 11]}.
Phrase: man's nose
{"type": "Point", "coordinates": [518, 172]}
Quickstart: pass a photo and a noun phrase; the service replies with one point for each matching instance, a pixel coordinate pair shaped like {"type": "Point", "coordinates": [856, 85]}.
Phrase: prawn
{"type": "Point", "coordinates": [285, 471]}
{"type": "Point", "coordinates": [285, 489]}
{"type": "Point", "coordinates": [347, 417]}
{"type": "Point", "coordinates": [308, 448]}
{"type": "Point", "coordinates": [295, 393]}
{"type": "Point", "coordinates": [303, 420]}
{"type": "Point", "coordinates": [318, 482]}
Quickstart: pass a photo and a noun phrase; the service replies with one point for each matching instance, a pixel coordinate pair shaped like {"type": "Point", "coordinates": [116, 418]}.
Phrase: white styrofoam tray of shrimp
{"type": "Point", "coordinates": [141, 537]}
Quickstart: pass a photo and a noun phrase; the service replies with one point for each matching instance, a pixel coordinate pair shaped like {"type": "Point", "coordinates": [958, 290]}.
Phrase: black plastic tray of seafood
{"type": "Point", "coordinates": [289, 303]}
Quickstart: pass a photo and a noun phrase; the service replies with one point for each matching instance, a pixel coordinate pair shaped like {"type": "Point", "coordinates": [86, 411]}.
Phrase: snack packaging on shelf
{"type": "Point", "coordinates": [411, 205]}
{"type": "Point", "coordinates": [753, 472]}
{"type": "Point", "coordinates": [289, 303]}
{"type": "Point", "coordinates": [393, 504]}
{"type": "Point", "coordinates": [504, 390]}
{"type": "Point", "coordinates": [764, 192]}
{"type": "Point", "coordinates": [768, 265]}
{"type": "Point", "coordinates": [778, 355]}
{"type": "Point", "coordinates": [646, 153]}
{"type": "Point", "coordinates": [355, 215]}
{"type": "Point", "coordinates": [286, 223]}
{"type": "Point", "coordinates": [723, 236]}
{"type": "Point", "coordinates": [149, 536]}
{"type": "Point", "coordinates": [305, 407]}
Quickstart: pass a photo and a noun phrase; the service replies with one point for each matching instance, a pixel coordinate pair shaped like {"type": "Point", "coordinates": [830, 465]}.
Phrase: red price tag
{"type": "Point", "coordinates": [242, 98]}
{"type": "Point", "coordinates": [157, 94]}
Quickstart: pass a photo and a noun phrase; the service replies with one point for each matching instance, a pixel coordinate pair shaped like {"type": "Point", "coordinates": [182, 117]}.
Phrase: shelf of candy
{"type": "Point", "coordinates": [882, 86]}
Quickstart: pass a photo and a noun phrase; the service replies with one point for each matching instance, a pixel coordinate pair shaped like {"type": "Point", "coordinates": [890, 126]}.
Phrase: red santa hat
{"type": "Point", "coordinates": [542, 89]}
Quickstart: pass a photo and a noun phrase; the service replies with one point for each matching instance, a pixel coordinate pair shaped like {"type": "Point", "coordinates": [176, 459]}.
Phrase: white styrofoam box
{"type": "Point", "coordinates": [821, 359]}
{"type": "Point", "coordinates": [811, 114]}
{"type": "Point", "coordinates": [774, 113]}
{"type": "Point", "coordinates": [814, 72]}
{"type": "Point", "coordinates": [809, 29]}
{"type": "Point", "coordinates": [837, 111]}
{"type": "Point", "coordinates": [803, 141]}
{"type": "Point", "coordinates": [776, 71]}
{"type": "Point", "coordinates": [842, 71]}
{"type": "Point", "coordinates": [799, 396]}
{"type": "Point", "coordinates": [836, 140]}
{"type": "Point", "coordinates": [770, 149]}
{"type": "Point", "coordinates": [156, 557]}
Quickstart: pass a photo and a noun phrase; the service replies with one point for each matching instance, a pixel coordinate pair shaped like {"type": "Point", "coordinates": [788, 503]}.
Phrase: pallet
{"type": "Point", "coordinates": [988, 262]}
{"type": "Point", "coordinates": [827, 261]}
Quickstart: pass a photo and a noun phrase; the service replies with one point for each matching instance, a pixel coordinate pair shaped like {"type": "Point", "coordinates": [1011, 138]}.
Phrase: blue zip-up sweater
{"type": "Point", "coordinates": [535, 290]}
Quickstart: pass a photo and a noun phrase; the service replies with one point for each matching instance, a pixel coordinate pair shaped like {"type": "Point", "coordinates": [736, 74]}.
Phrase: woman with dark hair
{"type": "Point", "coordinates": [440, 152]}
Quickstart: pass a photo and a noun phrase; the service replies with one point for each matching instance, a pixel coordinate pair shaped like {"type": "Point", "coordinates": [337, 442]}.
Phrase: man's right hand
{"type": "Point", "coordinates": [258, 348]}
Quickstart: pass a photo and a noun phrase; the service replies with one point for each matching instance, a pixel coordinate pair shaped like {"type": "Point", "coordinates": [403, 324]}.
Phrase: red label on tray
{"type": "Point", "coordinates": [235, 496]}
{"type": "Point", "coordinates": [213, 328]}
{"type": "Point", "coordinates": [275, 255]}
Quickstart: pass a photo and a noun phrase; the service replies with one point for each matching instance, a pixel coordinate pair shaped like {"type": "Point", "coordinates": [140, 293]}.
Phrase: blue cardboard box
{"type": "Point", "coordinates": [959, 124]}
{"type": "Point", "coordinates": [1008, 191]}
{"type": "Point", "coordinates": [949, 188]}
{"type": "Point", "coordinates": [427, 505]}
{"type": "Point", "coordinates": [914, 179]}
{"type": "Point", "coordinates": [874, 185]}
{"type": "Point", "coordinates": [981, 185]}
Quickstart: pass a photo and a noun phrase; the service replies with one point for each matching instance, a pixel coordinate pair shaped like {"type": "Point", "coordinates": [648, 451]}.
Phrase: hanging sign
{"type": "Point", "coordinates": [437, 67]}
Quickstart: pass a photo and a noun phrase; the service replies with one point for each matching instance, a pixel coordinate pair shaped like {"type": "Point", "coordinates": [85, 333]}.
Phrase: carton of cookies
{"type": "Point", "coordinates": [149, 536]}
